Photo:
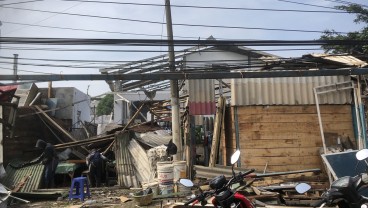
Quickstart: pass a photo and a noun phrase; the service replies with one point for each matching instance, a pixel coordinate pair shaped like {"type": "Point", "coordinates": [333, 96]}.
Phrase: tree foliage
{"type": "Point", "coordinates": [361, 17]}
{"type": "Point", "coordinates": [106, 105]}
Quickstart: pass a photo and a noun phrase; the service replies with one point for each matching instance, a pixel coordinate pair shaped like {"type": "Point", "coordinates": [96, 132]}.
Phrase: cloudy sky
{"type": "Point", "coordinates": [73, 19]}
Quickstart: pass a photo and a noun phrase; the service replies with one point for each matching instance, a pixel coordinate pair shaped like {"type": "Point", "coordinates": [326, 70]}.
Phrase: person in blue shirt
{"type": "Point", "coordinates": [94, 162]}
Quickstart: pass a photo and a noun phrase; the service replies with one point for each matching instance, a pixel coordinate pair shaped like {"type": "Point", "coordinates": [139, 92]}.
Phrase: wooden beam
{"type": "Point", "coordinates": [61, 129]}
{"type": "Point", "coordinates": [126, 126]}
{"type": "Point", "coordinates": [217, 131]}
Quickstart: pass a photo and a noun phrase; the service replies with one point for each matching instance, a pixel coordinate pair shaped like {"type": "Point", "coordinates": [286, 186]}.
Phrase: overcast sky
{"type": "Point", "coordinates": [17, 23]}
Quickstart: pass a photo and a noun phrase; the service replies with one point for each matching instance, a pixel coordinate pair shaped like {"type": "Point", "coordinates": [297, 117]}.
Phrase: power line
{"type": "Point", "coordinates": [7, 4]}
{"type": "Point", "coordinates": [89, 30]}
{"type": "Point", "coordinates": [137, 51]}
{"type": "Point", "coordinates": [159, 42]}
{"type": "Point", "coordinates": [346, 2]}
{"type": "Point", "coordinates": [176, 24]}
{"type": "Point", "coordinates": [313, 5]}
{"type": "Point", "coordinates": [209, 7]}
{"type": "Point", "coordinates": [25, 71]}
{"type": "Point", "coordinates": [43, 19]}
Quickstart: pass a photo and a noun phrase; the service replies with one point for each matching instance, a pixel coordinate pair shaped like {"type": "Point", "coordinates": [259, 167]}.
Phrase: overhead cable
{"type": "Point", "coordinates": [159, 42]}
{"type": "Point", "coordinates": [174, 24]}
{"type": "Point", "coordinates": [139, 50]}
{"type": "Point", "coordinates": [208, 7]}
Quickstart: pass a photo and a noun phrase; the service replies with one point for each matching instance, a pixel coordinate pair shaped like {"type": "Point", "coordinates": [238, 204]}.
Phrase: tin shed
{"type": "Point", "coordinates": [275, 122]}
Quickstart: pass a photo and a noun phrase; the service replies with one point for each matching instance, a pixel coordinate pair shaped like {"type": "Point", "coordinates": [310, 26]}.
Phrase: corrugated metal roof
{"type": "Point", "coordinates": [14, 176]}
{"type": "Point", "coordinates": [201, 97]}
{"type": "Point", "coordinates": [154, 139]}
{"type": "Point", "coordinates": [286, 91]}
{"type": "Point", "coordinates": [343, 59]}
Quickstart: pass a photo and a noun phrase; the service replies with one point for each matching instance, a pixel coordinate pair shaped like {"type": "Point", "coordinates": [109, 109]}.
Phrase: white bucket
{"type": "Point", "coordinates": [165, 173]}
{"type": "Point", "coordinates": [180, 170]}
{"type": "Point", "coordinates": [153, 186]}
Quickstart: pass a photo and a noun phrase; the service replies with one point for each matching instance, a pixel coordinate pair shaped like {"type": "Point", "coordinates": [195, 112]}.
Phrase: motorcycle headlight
{"type": "Point", "coordinates": [364, 206]}
{"type": "Point", "coordinates": [233, 205]}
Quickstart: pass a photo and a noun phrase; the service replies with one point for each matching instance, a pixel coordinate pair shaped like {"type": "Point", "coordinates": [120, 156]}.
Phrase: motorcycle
{"type": "Point", "coordinates": [224, 196]}
{"type": "Point", "coordinates": [345, 192]}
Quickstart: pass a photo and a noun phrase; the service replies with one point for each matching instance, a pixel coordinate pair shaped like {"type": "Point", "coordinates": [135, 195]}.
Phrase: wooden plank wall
{"type": "Point", "coordinates": [286, 138]}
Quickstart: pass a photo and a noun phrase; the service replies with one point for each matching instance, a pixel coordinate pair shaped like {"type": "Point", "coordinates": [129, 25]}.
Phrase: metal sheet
{"type": "Point", "coordinates": [347, 60]}
{"type": "Point", "coordinates": [201, 97]}
{"type": "Point", "coordinates": [14, 176]}
{"type": "Point", "coordinates": [154, 139]}
{"type": "Point", "coordinates": [124, 165]}
{"type": "Point", "coordinates": [286, 91]}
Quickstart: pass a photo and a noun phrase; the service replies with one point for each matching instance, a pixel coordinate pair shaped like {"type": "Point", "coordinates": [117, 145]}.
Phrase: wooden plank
{"type": "Point", "coordinates": [217, 131]}
{"type": "Point", "coordinates": [277, 152]}
{"type": "Point", "coordinates": [257, 135]}
{"type": "Point", "coordinates": [296, 127]}
{"type": "Point", "coordinates": [56, 125]}
{"type": "Point", "coordinates": [296, 160]}
{"type": "Point", "coordinates": [305, 109]}
{"type": "Point", "coordinates": [280, 168]}
{"type": "Point", "coordinates": [281, 143]}
{"type": "Point", "coordinates": [287, 118]}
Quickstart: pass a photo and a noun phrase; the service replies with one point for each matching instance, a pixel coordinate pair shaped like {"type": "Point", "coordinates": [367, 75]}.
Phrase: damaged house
{"type": "Point", "coordinates": [279, 124]}
{"type": "Point", "coordinates": [58, 115]}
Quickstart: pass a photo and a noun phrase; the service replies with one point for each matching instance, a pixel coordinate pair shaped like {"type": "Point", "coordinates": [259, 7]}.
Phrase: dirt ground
{"type": "Point", "coordinates": [102, 197]}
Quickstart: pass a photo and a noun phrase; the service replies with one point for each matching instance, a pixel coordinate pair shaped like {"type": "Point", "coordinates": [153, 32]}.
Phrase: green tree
{"type": "Point", "coordinates": [106, 105]}
{"type": "Point", "coordinates": [361, 17]}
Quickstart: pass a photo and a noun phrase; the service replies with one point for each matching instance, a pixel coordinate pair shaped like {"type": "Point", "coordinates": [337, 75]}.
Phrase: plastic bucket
{"type": "Point", "coordinates": [180, 170]}
{"type": "Point", "coordinates": [165, 173]}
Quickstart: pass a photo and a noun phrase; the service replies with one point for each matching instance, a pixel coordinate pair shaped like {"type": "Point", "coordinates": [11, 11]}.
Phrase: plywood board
{"type": "Point", "coordinates": [284, 136]}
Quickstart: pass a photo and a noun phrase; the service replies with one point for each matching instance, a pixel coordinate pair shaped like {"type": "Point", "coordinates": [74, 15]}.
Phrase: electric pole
{"type": "Point", "coordinates": [175, 114]}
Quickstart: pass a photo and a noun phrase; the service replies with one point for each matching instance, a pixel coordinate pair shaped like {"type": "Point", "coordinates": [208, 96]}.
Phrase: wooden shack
{"type": "Point", "coordinates": [275, 124]}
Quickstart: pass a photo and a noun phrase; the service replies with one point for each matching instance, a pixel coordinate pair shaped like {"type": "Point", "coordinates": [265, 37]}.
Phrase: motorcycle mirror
{"type": "Point", "coordinates": [362, 154]}
{"type": "Point", "coordinates": [301, 188]}
{"type": "Point", "coordinates": [235, 157]}
{"type": "Point", "coordinates": [186, 182]}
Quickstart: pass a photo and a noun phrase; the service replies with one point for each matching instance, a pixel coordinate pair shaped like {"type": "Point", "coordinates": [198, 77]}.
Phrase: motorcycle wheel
{"type": "Point", "coordinates": [343, 204]}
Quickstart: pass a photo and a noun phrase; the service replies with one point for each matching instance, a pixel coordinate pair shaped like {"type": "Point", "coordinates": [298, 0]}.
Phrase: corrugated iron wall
{"type": "Point", "coordinates": [33, 174]}
{"type": "Point", "coordinates": [124, 166]}
{"type": "Point", "coordinates": [286, 91]}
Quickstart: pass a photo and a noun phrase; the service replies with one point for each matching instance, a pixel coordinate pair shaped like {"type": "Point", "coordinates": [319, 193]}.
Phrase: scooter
{"type": "Point", "coordinates": [345, 191]}
{"type": "Point", "coordinates": [224, 196]}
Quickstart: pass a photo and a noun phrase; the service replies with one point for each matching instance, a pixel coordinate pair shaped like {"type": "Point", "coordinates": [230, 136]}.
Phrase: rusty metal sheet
{"type": "Point", "coordinates": [14, 176]}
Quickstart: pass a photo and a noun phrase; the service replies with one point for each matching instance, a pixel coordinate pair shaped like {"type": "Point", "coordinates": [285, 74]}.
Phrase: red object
{"type": "Point", "coordinates": [202, 108]}
{"type": "Point", "coordinates": [7, 92]}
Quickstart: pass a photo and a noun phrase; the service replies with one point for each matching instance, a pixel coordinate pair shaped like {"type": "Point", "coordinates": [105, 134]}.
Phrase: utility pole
{"type": "Point", "coordinates": [173, 86]}
{"type": "Point", "coordinates": [15, 65]}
